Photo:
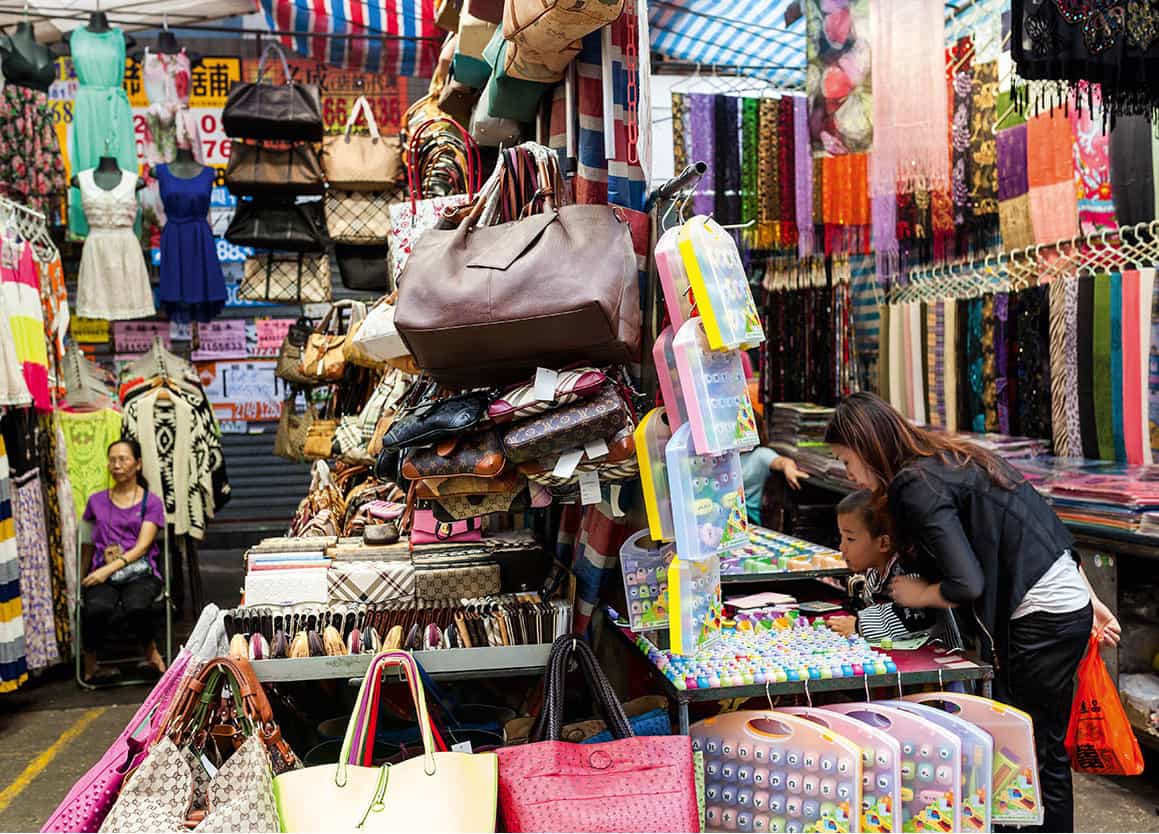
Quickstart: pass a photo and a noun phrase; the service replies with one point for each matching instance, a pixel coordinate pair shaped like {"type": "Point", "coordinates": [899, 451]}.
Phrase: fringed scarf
{"type": "Point", "coordinates": [1092, 168]}
{"type": "Point", "coordinates": [839, 81]}
{"type": "Point", "coordinates": [845, 203]}
{"type": "Point", "coordinates": [803, 177]}
{"type": "Point", "coordinates": [1050, 174]}
{"type": "Point", "coordinates": [787, 166]}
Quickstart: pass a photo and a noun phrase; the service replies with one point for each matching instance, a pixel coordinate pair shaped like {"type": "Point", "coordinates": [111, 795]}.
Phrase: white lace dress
{"type": "Point", "coordinates": [113, 282]}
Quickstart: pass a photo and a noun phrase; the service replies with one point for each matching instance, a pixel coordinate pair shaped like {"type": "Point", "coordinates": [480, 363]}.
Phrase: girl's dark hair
{"type": "Point", "coordinates": [135, 448]}
{"type": "Point", "coordinates": [864, 505]}
{"type": "Point", "coordinates": [886, 442]}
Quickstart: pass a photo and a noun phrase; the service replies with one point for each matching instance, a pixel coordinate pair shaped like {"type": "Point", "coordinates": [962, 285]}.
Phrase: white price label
{"type": "Point", "coordinates": [596, 449]}
{"type": "Point", "coordinates": [545, 383]}
{"type": "Point", "coordinates": [589, 484]}
{"type": "Point", "coordinates": [568, 461]}
{"type": "Point", "coordinates": [617, 511]}
{"type": "Point", "coordinates": [462, 747]}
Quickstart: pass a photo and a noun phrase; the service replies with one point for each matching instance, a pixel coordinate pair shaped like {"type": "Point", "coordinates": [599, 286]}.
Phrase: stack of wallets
{"type": "Point", "coordinates": [266, 632]}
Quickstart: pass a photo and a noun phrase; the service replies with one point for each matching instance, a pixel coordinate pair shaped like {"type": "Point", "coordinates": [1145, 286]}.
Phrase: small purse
{"type": "Point", "coordinates": [440, 488]}
{"type": "Point", "coordinates": [363, 268]}
{"type": "Point", "coordinates": [292, 227]}
{"type": "Point", "coordinates": [289, 365]}
{"type": "Point", "coordinates": [442, 419]}
{"type": "Point", "coordinates": [479, 454]}
{"type": "Point", "coordinates": [426, 529]}
{"type": "Point", "coordinates": [359, 216]}
{"type": "Point", "coordinates": [457, 507]}
{"type": "Point", "coordinates": [320, 440]}
{"type": "Point", "coordinates": [378, 337]}
{"type": "Point", "coordinates": [457, 100]}
{"type": "Point", "coordinates": [362, 163]}
{"type": "Point", "coordinates": [296, 279]}
{"type": "Point", "coordinates": [289, 112]}
{"type": "Point", "coordinates": [324, 358]}
{"type": "Point", "coordinates": [569, 427]}
{"type": "Point", "coordinates": [519, 402]}
{"type": "Point", "coordinates": [255, 170]}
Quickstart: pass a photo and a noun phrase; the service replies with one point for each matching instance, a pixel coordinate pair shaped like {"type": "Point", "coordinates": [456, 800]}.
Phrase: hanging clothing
{"type": "Point", "coordinates": [54, 304]}
{"type": "Point", "coordinates": [113, 282]}
{"type": "Point", "coordinates": [169, 125]}
{"type": "Point", "coordinates": [31, 164]}
{"type": "Point", "coordinates": [13, 390]}
{"type": "Point", "coordinates": [1101, 366]}
{"type": "Point", "coordinates": [192, 286]}
{"type": "Point", "coordinates": [1050, 174]}
{"type": "Point", "coordinates": [1092, 169]}
{"type": "Point", "coordinates": [67, 512]}
{"type": "Point", "coordinates": [103, 123]}
{"type": "Point", "coordinates": [13, 664]}
{"type": "Point", "coordinates": [1130, 170]}
{"type": "Point", "coordinates": [1132, 369]}
{"type": "Point", "coordinates": [1014, 220]}
{"type": "Point", "coordinates": [35, 577]}
{"type": "Point", "coordinates": [54, 525]}
{"type": "Point", "coordinates": [87, 437]}
{"type": "Point", "coordinates": [20, 292]}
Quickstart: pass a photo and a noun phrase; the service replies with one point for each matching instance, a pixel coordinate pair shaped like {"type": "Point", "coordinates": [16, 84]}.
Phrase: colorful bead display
{"type": "Point", "coordinates": [766, 649]}
{"type": "Point", "coordinates": [768, 551]}
{"type": "Point", "coordinates": [720, 285]}
{"type": "Point", "coordinates": [644, 564]}
{"type": "Point", "coordinates": [697, 610]}
{"type": "Point", "coordinates": [716, 394]}
{"type": "Point", "coordinates": [708, 503]}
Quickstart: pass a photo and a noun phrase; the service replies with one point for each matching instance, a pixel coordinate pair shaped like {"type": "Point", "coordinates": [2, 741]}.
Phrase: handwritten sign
{"type": "Point", "coordinates": [219, 340]}
{"type": "Point", "coordinates": [132, 338]}
{"type": "Point", "coordinates": [89, 331]}
{"type": "Point", "coordinates": [271, 335]}
{"type": "Point", "coordinates": [246, 391]}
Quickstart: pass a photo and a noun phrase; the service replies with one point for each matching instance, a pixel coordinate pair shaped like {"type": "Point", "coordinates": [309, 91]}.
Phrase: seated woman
{"type": "Point", "coordinates": [122, 557]}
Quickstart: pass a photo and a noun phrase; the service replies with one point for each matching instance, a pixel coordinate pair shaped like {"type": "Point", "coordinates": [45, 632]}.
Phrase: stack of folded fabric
{"type": "Point", "coordinates": [1096, 493]}
{"type": "Point", "coordinates": [799, 423]}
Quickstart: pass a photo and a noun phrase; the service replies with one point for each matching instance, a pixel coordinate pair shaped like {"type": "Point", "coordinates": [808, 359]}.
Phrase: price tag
{"type": "Point", "coordinates": [568, 461]}
{"type": "Point", "coordinates": [545, 382]}
{"type": "Point", "coordinates": [208, 765]}
{"type": "Point", "coordinates": [596, 448]}
{"type": "Point", "coordinates": [617, 511]}
{"type": "Point", "coordinates": [462, 747]}
{"type": "Point", "coordinates": [589, 484]}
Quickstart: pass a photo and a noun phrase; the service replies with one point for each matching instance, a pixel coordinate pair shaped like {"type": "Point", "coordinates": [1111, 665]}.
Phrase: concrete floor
{"type": "Point", "coordinates": [51, 732]}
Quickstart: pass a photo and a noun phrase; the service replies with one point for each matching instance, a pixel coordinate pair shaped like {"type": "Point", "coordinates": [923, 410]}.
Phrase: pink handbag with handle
{"type": "Point", "coordinates": [88, 803]}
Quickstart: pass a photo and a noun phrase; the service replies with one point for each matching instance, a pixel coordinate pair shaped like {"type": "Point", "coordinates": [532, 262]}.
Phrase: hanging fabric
{"type": "Point", "coordinates": [35, 573]}
{"type": "Point", "coordinates": [839, 82]}
{"type": "Point", "coordinates": [20, 292]}
{"type": "Point", "coordinates": [1092, 168]}
{"type": "Point", "coordinates": [13, 662]}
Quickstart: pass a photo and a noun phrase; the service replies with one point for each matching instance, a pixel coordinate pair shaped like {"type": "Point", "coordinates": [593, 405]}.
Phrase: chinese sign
{"type": "Point", "coordinates": [225, 339]}
{"type": "Point", "coordinates": [89, 331]}
{"type": "Point", "coordinates": [243, 391]}
{"type": "Point", "coordinates": [271, 333]}
{"type": "Point", "coordinates": [132, 338]}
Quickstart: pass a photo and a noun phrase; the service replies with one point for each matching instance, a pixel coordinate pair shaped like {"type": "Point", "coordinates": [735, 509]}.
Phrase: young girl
{"type": "Point", "coordinates": [868, 550]}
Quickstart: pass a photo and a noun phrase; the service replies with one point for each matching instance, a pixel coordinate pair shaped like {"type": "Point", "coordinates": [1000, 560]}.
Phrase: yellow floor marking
{"type": "Point", "coordinates": [44, 759]}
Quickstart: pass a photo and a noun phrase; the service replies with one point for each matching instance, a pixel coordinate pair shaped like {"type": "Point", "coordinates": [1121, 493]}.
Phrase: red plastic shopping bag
{"type": "Point", "coordinates": [1099, 738]}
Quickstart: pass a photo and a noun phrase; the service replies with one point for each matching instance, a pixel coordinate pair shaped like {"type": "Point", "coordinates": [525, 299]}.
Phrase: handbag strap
{"type": "Point", "coordinates": [361, 105]}
{"type": "Point", "coordinates": [550, 721]}
{"type": "Point", "coordinates": [275, 49]}
{"type": "Point", "coordinates": [473, 160]}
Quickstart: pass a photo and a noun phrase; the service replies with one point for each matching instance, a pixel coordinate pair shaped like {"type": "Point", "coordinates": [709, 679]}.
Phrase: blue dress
{"type": "Point", "coordinates": [192, 286]}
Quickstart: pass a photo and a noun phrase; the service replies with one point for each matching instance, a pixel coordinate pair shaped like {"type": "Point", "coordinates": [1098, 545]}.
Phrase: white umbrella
{"type": "Point", "coordinates": [52, 19]}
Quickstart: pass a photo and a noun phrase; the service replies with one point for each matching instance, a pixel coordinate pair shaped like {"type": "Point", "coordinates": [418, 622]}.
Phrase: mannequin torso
{"type": "Point", "coordinates": [106, 175]}
{"type": "Point", "coordinates": [26, 62]}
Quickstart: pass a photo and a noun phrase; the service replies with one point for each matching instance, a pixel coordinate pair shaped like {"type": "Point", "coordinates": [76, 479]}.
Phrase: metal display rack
{"type": "Point", "coordinates": [780, 576]}
{"type": "Point", "coordinates": [441, 664]}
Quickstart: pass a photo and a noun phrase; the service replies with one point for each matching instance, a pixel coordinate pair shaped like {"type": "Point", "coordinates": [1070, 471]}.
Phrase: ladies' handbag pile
{"type": "Point", "coordinates": [289, 112]}
{"type": "Point", "coordinates": [438, 791]}
{"type": "Point", "coordinates": [295, 279]}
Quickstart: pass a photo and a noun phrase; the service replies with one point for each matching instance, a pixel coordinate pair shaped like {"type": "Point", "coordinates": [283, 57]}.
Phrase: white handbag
{"type": "Point", "coordinates": [377, 337]}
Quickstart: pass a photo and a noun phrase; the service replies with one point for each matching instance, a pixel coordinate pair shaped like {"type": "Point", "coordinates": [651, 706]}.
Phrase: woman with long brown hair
{"type": "Point", "coordinates": [1006, 562]}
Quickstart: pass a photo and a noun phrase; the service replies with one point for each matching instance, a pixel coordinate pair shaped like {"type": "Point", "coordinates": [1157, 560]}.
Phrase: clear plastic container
{"type": "Point", "coordinates": [678, 297]}
{"type": "Point", "coordinates": [719, 285]}
{"type": "Point", "coordinates": [695, 604]}
{"type": "Point", "coordinates": [652, 436]}
{"type": "Point", "coordinates": [716, 394]}
{"type": "Point", "coordinates": [644, 563]}
{"type": "Point", "coordinates": [664, 356]}
{"type": "Point", "coordinates": [708, 503]}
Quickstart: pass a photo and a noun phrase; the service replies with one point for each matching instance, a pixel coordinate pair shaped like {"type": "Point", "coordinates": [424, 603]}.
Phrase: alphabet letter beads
{"type": "Point", "coordinates": [719, 284]}
{"type": "Point", "coordinates": [775, 772]}
{"type": "Point", "coordinates": [931, 766]}
{"type": "Point", "coordinates": [708, 504]}
{"type": "Point", "coordinates": [716, 395]}
{"type": "Point", "coordinates": [644, 564]}
{"type": "Point", "coordinates": [697, 610]}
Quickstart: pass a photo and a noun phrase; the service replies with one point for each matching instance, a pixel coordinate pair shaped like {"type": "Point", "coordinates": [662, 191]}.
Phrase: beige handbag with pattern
{"type": "Point", "coordinates": [359, 216]}
{"type": "Point", "coordinates": [297, 279]}
{"type": "Point", "coordinates": [290, 440]}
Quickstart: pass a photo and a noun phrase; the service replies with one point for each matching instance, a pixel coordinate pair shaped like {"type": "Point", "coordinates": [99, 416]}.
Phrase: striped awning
{"type": "Point", "coordinates": [407, 42]}
{"type": "Point", "coordinates": [749, 36]}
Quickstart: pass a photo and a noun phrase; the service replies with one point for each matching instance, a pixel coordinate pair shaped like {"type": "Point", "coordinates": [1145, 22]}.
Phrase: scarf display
{"type": "Point", "coordinates": [1050, 176]}
{"type": "Point", "coordinates": [702, 148]}
{"type": "Point", "coordinates": [679, 132]}
{"type": "Point", "coordinates": [1092, 175]}
{"type": "Point", "coordinates": [845, 202]}
{"type": "Point", "coordinates": [1132, 187]}
{"type": "Point", "coordinates": [1076, 43]}
{"type": "Point", "coordinates": [726, 158]}
{"type": "Point", "coordinates": [1014, 220]}
{"type": "Point", "coordinates": [839, 82]}
{"type": "Point", "coordinates": [787, 168]}
{"type": "Point", "coordinates": [803, 176]}
{"type": "Point", "coordinates": [768, 190]}
{"type": "Point", "coordinates": [984, 155]}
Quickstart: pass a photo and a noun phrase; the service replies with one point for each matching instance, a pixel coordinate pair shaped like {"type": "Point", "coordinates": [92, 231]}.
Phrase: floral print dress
{"type": "Point", "coordinates": [31, 168]}
{"type": "Point", "coordinates": [169, 125]}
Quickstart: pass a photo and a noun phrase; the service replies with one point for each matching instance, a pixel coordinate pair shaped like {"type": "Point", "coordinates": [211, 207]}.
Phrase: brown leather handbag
{"type": "Point", "coordinates": [257, 170]}
{"type": "Point", "coordinates": [569, 427]}
{"type": "Point", "coordinates": [480, 455]}
{"type": "Point", "coordinates": [324, 358]}
{"type": "Point", "coordinates": [548, 290]}
{"type": "Point", "coordinates": [289, 112]}
{"type": "Point", "coordinates": [489, 10]}
{"type": "Point", "coordinates": [362, 162]}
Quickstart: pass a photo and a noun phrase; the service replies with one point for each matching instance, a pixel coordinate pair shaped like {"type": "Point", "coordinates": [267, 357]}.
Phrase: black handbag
{"type": "Point", "coordinates": [363, 267]}
{"type": "Point", "coordinates": [445, 418]}
{"type": "Point", "coordinates": [293, 227]}
{"type": "Point", "coordinates": [291, 112]}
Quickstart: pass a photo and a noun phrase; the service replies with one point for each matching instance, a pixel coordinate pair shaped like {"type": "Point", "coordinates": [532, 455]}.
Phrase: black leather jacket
{"type": "Point", "coordinates": [990, 544]}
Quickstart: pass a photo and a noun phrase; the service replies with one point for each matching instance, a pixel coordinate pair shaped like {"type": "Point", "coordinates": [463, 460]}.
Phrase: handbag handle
{"type": "Point", "coordinates": [550, 721]}
{"type": "Point", "coordinates": [361, 105]}
{"type": "Point", "coordinates": [250, 702]}
{"type": "Point", "coordinates": [367, 696]}
{"type": "Point", "coordinates": [473, 162]}
{"type": "Point", "coordinates": [276, 49]}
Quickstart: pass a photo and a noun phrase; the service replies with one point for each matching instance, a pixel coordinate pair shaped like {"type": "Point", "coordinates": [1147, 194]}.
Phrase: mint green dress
{"type": "Point", "coordinates": [102, 111]}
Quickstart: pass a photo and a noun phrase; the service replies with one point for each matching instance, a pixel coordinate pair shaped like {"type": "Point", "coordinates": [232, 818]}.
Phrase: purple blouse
{"type": "Point", "coordinates": [114, 525]}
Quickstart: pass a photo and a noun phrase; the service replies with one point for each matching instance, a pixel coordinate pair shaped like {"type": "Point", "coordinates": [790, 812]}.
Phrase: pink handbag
{"type": "Point", "coordinates": [645, 783]}
{"type": "Point", "coordinates": [427, 529]}
{"type": "Point", "coordinates": [88, 803]}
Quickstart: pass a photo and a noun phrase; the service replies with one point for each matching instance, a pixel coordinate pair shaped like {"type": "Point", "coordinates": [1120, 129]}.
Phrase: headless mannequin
{"type": "Point", "coordinates": [27, 63]}
{"type": "Point", "coordinates": [107, 175]}
{"type": "Point", "coordinates": [167, 44]}
{"type": "Point", "coordinates": [184, 166]}
{"type": "Point", "coordinates": [99, 24]}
